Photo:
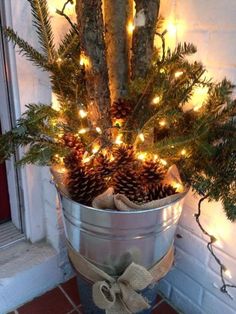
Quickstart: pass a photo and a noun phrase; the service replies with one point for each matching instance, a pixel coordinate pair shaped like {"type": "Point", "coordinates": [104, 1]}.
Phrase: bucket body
{"type": "Point", "coordinates": [111, 240]}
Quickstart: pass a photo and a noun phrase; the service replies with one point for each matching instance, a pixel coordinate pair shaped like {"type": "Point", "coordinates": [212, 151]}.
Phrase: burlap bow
{"type": "Point", "coordinates": [120, 295]}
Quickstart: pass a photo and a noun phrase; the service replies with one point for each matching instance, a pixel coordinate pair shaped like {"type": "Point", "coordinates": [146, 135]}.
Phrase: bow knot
{"type": "Point", "coordinates": [121, 295]}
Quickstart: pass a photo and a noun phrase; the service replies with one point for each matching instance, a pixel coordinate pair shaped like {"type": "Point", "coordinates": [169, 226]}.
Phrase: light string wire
{"type": "Point", "coordinates": [62, 13]}
{"type": "Point", "coordinates": [210, 247]}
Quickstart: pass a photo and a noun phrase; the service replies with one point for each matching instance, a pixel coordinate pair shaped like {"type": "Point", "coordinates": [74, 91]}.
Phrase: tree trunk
{"type": "Point", "coordinates": [143, 37]}
{"type": "Point", "coordinates": [118, 14]}
{"type": "Point", "coordinates": [91, 29]}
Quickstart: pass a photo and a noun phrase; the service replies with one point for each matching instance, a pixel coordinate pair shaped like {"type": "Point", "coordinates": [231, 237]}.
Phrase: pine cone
{"type": "Point", "coordinates": [73, 159]}
{"type": "Point", "coordinates": [152, 173]}
{"type": "Point", "coordinates": [160, 191]}
{"type": "Point", "coordinates": [124, 155]}
{"type": "Point", "coordinates": [72, 141]}
{"type": "Point", "coordinates": [103, 165]}
{"type": "Point", "coordinates": [84, 185]}
{"type": "Point", "coordinates": [120, 109]}
{"type": "Point", "coordinates": [127, 182]}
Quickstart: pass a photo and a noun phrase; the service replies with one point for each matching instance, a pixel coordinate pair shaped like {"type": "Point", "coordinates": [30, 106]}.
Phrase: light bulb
{"type": "Point", "coordinates": [83, 114]}
{"type": "Point", "coordinates": [178, 74]}
{"type": "Point", "coordinates": [95, 149]}
{"type": "Point", "coordinates": [55, 103]}
{"type": "Point", "coordinates": [142, 156]}
{"type": "Point", "coordinates": [98, 130]}
{"type": "Point", "coordinates": [183, 152]}
{"type": "Point", "coordinates": [141, 137]}
{"type": "Point", "coordinates": [162, 122]}
{"type": "Point", "coordinates": [163, 162]}
{"type": "Point", "coordinates": [83, 131]}
{"type": "Point", "coordinates": [118, 140]}
{"type": "Point", "coordinates": [228, 273]}
{"type": "Point", "coordinates": [156, 100]}
{"type": "Point", "coordinates": [84, 60]}
{"type": "Point", "coordinates": [172, 29]}
{"type": "Point", "coordinates": [130, 28]}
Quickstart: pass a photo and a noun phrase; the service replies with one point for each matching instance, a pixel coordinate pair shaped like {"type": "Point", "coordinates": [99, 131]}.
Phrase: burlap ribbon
{"type": "Point", "coordinates": [120, 295]}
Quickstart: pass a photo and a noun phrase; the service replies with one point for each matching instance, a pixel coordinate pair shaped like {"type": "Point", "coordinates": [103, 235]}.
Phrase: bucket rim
{"type": "Point", "coordinates": [118, 212]}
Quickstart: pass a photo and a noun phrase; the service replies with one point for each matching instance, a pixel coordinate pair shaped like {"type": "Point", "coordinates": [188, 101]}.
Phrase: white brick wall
{"type": "Point", "coordinates": [211, 25]}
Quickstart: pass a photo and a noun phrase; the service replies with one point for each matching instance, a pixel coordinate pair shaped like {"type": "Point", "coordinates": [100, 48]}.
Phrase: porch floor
{"type": "Point", "coordinates": [64, 299]}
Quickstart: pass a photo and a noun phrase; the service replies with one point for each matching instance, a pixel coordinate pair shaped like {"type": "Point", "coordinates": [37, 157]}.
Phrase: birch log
{"type": "Point", "coordinates": [91, 29]}
{"type": "Point", "coordinates": [143, 36]}
{"type": "Point", "coordinates": [118, 14]}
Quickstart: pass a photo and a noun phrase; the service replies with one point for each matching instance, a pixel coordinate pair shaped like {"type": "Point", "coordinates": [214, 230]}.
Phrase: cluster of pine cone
{"type": "Point", "coordinates": [141, 182]}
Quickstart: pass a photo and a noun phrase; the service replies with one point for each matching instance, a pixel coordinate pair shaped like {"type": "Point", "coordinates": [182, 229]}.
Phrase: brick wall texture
{"type": "Point", "coordinates": [192, 284]}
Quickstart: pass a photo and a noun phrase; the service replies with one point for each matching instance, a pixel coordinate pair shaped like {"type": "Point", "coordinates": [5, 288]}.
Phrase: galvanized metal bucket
{"type": "Point", "coordinates": [112, 239]}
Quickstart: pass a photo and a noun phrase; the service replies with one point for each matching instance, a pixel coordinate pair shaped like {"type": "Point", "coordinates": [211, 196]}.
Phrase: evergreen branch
{"type": "Point", "coordinates": [43, 27]}
{"type": "Point", "coordinates": [69, 44]}
{"type": "Point", "coordinates": [26, 50]}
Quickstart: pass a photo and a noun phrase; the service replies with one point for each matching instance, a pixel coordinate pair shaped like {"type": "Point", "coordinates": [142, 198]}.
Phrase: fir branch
{"type": "Point", "coordinates": [43, 27]}
{"type": "Point", "coordinates": [26, 50]}
{"type": "Point", "coordinates": [69, 44]}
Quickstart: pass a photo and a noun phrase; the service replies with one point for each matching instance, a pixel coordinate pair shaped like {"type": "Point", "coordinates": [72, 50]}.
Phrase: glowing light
{"type": "Point", "coordinates": [163, 162]}
{"type": "Point", "coordinates": [162, 70]}
{"type": "Point", "coordinates": [83, 114]}
{"type": "Point", "coordinates": [59, 60]}
{"type": "Point", "coordinates": [199, 97]}
{"type": "Point", "coordinates": [84, 60]}
{"type": "Point", "coordinates": [98, 130]}
{"type": "Point", "coordinates": [118, 140]}
{"type": "Point", "coordinates": [87, 159]}
{"type": "Point", "coordinates": [183, 152]}
{"type": "Point", "coordinates": [162, 122]}
{"type": "Point", "coordinates": [228, 273]}
{"type": "Point", "coordinates": [177, 186]}
{"type": "Point", "coordinates": [171, 28]}
{"type": "Point", "coordinates": [178, 74]}
{"type": "Point", "coordinates": [55, 103]}
{"type": "Point", "coordinates": [156, 100]}
{"type": "Point", "coordinates": [142, 156]}
{"type": "Point", "coordinates": [130, 28]}
{"type": "Point", "coordinates": [83, 131]}
{"type": "Point", "coordinates": [95, 149]}
{"type": "Point", "coordinates": [141, 137]}
{"type": "Point", "coordinates": [155, 157]}
{"type": "Point", "coordinates": [61, 169]}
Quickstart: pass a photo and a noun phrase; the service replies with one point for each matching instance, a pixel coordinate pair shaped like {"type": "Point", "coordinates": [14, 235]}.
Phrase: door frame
{"type": "Point", "coordinates": [8, 114]}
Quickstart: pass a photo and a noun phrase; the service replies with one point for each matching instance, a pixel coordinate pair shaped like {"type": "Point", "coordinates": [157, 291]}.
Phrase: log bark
{"type": "Point", "coordinates": [118, 13]}
{"type": "Point", "coordinates": [143, 37]}
{"type": "Point", "coordinates": [91, 30]}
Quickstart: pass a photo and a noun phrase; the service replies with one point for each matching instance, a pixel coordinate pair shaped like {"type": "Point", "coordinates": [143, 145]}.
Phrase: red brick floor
{"type": "Point", "coordinates": [64, 299]}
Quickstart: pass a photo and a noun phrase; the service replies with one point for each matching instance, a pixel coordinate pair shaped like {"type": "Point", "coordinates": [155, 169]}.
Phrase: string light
{"type": "Point", "coordinates": [130, 28]}
{"type": "Point", "coordinates": [162, 122]}
{"type": "Point", "coordinates": [118, 122]}
{"type": "Point", "coordinates": [178, 74]}
{"type": "Point", "coordinates": [84, 60]}
{"type": "Point", "coordinates": [59, 60]}
{"type": "Point", "coordinates": [142, 156]}
{"type": "Point", "coordinates": [118, 140]}
{"type": "Point", "coordinates": [210, 247]}
{"type": "Point", "coordinates": [171, 28]}
{"type": "Point", "coordinates": [163, 162]}
{"type": "Point", "coordinates": [183, 152]}
{"type": "Point", "coordinates": [141, 137]}
{"type": "Point", "coordinates": [83, 114]}
{"type": "Point", "coordinates": [162, 70]}
{"type": "Point", "coordinates": [99, 130]}
{"type": "Point", "coordinates": [55, 103]}
{"type": "Point", "coordinates": [177, 186]}
{"type": "Point", "coordinates": [228, 273]}
{"type": "Point", "coordinates": [83, 131]}
{"type": "Point", "coordinates": [95, 149]}
{"type": "Point", "coordinates": [156, 100]}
